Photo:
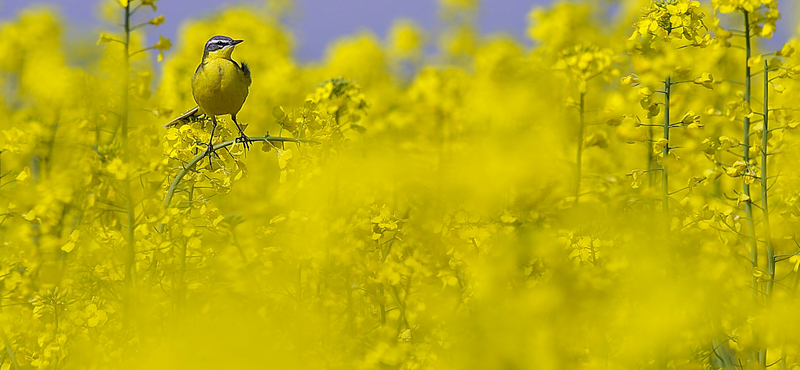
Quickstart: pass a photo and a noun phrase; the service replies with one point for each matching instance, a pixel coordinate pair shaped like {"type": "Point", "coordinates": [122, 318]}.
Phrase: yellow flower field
{"type": "Point", "coordinates": [625, 194]}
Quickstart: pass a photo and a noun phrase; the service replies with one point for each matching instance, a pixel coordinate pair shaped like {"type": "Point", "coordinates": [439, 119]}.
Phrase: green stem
{"type": "Point", "coordinates": [748, 207]}
{"type": "Point", "coordinates": [785, 329]}
{"type": "Point", "coordinates": [579, 157]}
{"type": "Point", "coordinates": [8, 348]}
{"type": "Point", "coordinates": [140, 51]}
{"type": "Point", "coordinates": [665, 154]}
{"type": "Point", "coordinates": [382, 300]}
{"type": "Point", "coordinates": [764, 177]}
{"type": "Point", "coordinates": [130, 258]}
{"type": "Point", "coordinates": [651, 176]}
{"type": "Point", "coordinates": [746, 157]}
{"type": "Point", "coordinates": [4, 337]}
{"type": "Point", "coordinates": [180, 279]}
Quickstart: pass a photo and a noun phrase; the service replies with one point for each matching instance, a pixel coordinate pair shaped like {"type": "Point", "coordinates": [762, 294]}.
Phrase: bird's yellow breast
{"type": "Point", "coordinates": [219, 86]}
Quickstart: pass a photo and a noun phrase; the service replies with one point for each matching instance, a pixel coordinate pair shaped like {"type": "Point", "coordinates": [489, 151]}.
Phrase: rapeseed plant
{"type": "Point", "coordinates": [485, 207]}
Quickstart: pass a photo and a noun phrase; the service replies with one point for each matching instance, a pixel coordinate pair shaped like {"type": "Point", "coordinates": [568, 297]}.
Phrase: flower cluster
{"type": "Point", "coordinates": [763, 14]}
{"type": "Point", "coordinates": [673, 19]}
{"type": "Point", "coordinates": [586, 61]}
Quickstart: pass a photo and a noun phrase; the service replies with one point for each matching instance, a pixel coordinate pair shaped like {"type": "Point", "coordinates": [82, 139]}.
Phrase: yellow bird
{"type": "Point", "coordinates": [219, 86]}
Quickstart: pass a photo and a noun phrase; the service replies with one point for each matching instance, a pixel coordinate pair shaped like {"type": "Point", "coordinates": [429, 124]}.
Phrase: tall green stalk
{"type": "Point", "coordinates": [785, 329]}
{"type": "Point", "coordinates": [180, 283]}
{"type": "Point", "coordinates": [761, 355]}
{"type": "Point", "coordinates": [764, 187]}
{"type": "Point", "coordinates": [748, 208]}
{"type": "Point", "coordinates": [665, 154]}
{"type": "Point", "coordinates": [130, 255]}
{"type": "Point", "coordinates": [6, 342]}
{"type": "Point", "coordinates": [578, 159]}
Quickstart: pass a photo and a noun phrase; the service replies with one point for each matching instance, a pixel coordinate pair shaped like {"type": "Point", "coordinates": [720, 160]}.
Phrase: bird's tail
{"type": "Point", "coordinates": [183, 118]}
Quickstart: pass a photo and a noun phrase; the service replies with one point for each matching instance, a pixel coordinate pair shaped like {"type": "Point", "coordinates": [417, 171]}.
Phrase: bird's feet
{"type": "Point", "coordinates": [209, 152]}
{"type": "Point", "coordinates": [244, 140]}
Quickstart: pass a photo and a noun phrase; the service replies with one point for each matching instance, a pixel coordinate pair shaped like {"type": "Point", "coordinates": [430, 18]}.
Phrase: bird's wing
{"type": "Point", "coordinates": [246, 70]}
{"type": "Point", "coordinates": [183, 117]}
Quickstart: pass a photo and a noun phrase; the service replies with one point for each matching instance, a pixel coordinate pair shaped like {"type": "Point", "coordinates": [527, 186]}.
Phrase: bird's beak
{"type": "Point", "coordinates": [237, 42]}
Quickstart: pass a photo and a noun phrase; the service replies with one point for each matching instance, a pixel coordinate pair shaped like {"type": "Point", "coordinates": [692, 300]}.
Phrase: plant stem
{"type": "Point", "coordinates": [180, 280]}
{"type": "Point", "coordinates": [130, 258]}
{"type": "Point", "coordinates": [651, 176]}
{"type": "Point", "coordinates": [746, 157]}
{"type": "Point", "coordinates": [578, 161]}
{"type": "Point", "coordinates": [665, 154]}
{"type": "Point", "coordinates": [4, 337]}
{"type": "Point", "coordinates": [748, 207]}
{"type": "Point", "coordinates": [764, 177]}
{"type": "Point", "coordinates": [7, 343]}
{"type": "Point", "coordinates": [382, 300]}
{"type": "Point", "coordinates": [785, 329]}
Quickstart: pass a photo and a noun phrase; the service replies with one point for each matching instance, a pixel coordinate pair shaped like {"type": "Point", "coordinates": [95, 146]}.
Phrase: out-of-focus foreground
{"type": "Point", "coordinates": [614, 198]}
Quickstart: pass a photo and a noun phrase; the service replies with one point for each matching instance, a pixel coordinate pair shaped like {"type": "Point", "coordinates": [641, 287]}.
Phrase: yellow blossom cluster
{"type": "Point", "coordinates": [668, 19]}
{"type": "Point", "coordinates": [763, 14]}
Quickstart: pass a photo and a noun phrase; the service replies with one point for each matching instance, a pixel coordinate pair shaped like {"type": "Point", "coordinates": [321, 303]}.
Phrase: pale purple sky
{"type": "Point", "coordinates": [315, 23]}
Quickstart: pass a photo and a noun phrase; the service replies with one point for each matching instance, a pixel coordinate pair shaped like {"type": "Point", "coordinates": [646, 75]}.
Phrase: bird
{"type": "Point", "coordinates": [219, 86]}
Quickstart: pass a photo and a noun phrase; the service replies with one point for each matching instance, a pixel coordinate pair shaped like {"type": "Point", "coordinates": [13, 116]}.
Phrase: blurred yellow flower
{"type": "Point", "coordinates": [104, 37]}
{"type": "Point", "coordinates": [405, 39]}
{"type": "Point", "coordinates": [150, 3]}
{"type": "Point", "coordinates": [706, 80]}
{"type": "Point", "coordinates": [162, 45]}
{"type": "Point", "coordinates": [157, 20]}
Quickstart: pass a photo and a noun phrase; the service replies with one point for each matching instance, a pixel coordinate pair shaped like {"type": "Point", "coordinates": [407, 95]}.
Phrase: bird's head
{"type": "Point", "coordinates": [220, 47]}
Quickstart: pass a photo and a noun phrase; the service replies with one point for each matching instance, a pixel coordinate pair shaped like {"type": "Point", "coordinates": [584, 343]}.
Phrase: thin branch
{"type": "Point", "coordinates": [191, 165]}
{"type": "Point", "coordinates": [139, 51]}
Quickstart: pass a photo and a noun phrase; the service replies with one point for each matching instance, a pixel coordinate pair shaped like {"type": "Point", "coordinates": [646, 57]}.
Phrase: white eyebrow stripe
{"type": "Point", "coordinates": [219, 42]}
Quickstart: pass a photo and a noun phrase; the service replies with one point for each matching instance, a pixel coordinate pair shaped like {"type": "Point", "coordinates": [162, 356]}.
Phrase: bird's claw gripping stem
{"type": "Point", "coordinates": [245, 140]}
{"type": "Point", "coordinates": [209, 152]}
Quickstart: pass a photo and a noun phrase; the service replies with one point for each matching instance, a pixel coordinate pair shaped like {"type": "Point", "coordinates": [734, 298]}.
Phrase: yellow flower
{"type": "Point", "coordinates": [636, 175]}
{"type": "Point", "coordinates": [754, 61]}
{"type": "Point", "coordinates": [786, 51]}
{"type": "Point", "coordinates": [460, 4]}
{"type": "Point", "coordinates": [104, 37]}
{"type": "Point", "coordinates": [151, 3]}
{"type": "Point", "coordinates": [761, 275]}
{"type": "Point", "coordinates": [278, 219]}
{"type": "Point", "coordinates": [678, 19]}
{"type": "Point", "coordinates": [727, 143]}
{"type": "Point", "coordinates": [695, 180]}
{"type": "Point", "coordinates": [24, 175]}
{"type": "Point", "coordinates": [162, 44]}
{"type": "Point", "coordinates": [690, 118]}
{"type": "Point", "coordinates": [585, 61]}
{"type": "Point", "coordinates": [795, 261]}
{"type": "Point", "coordinates": [660, 144]}
{"type": "Point", "coordinates": [737, 169]}
{"type": "Point", "coordinates": [405, 39]}
{"type": "Point", "coordinates": [598, 139]}
{"type": "Point", "coordinates": [629, 80]}
{"type": "Point", "coordinates": [706, 79]}
{"type": "Point", "coordinates": [283, 157]}
{"type": "Point", "coordinates": [73, 238]}
{"type": "Point", "coordinates": [118, 169]}
{"type": "Point", "coordinates": [157, 20]}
